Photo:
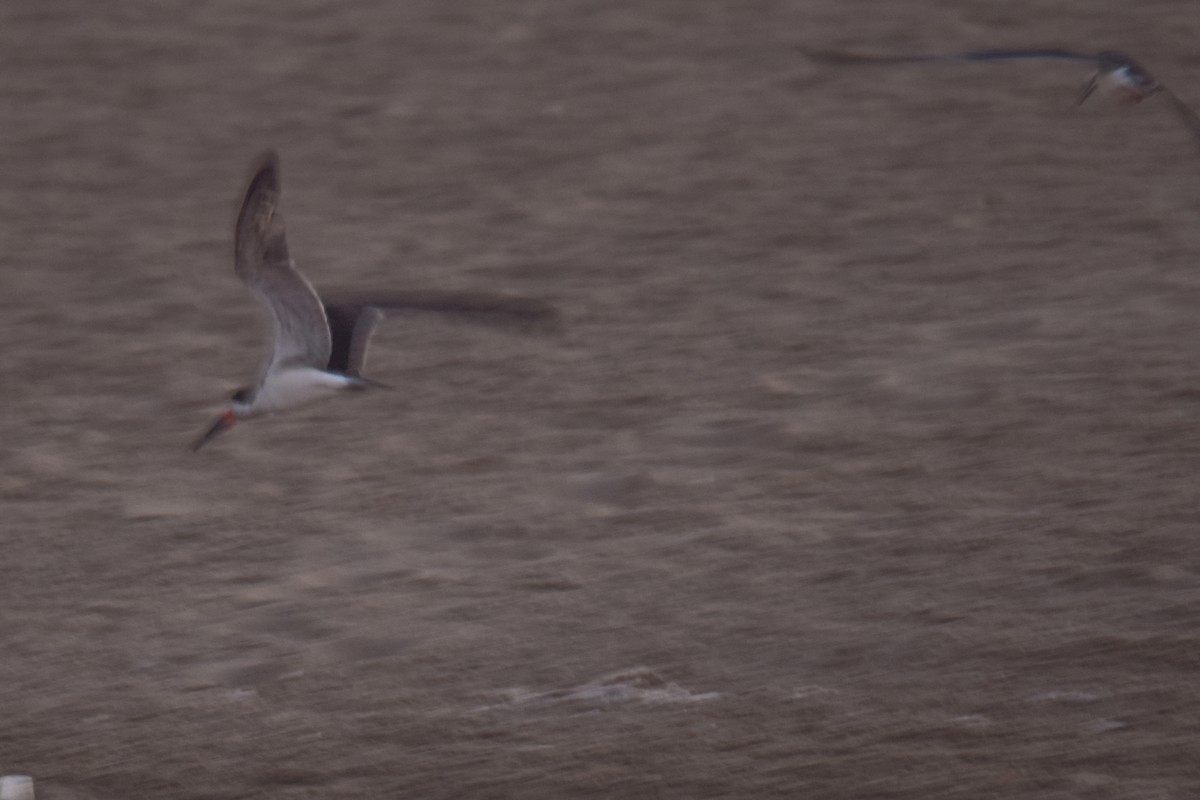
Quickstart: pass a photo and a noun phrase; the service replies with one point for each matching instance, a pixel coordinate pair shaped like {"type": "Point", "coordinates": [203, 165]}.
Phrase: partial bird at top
{"type": "Point", "coordinates": [1115, 72]}
{"type": "Point", "coordinates": [318, 348]}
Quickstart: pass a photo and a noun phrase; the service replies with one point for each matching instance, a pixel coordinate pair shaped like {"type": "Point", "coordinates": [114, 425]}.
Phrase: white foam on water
{"type": "Point", "coordinates": [1066, 696]}
{"type": "Point", "coordinates": [636, 685]}
{"type": "Point", "coordinates": [16, 787]}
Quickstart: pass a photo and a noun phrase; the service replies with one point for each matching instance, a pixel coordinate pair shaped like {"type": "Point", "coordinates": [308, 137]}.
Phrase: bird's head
{"type": "Point", "coordinates": [1123, 77]}
{"type": "Point", "coordinates": [238, 407]}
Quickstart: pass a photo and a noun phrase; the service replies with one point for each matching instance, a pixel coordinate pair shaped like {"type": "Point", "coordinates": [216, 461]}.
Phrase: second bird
{"type": "Point", "coordinates": [1115, 73]}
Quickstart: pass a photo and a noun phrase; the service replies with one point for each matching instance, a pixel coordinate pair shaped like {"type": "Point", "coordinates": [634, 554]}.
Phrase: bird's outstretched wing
{"type": "Point", "coordinates": [1184, 112]}
{"type": "Point", "coordinates": [352, 321]}
{"type": "Point", "coordinates": [839, 57]}
{"type": "Point", "coordinates": [262, 261]}
{"type": "Point", "coordinates": [350, 328]}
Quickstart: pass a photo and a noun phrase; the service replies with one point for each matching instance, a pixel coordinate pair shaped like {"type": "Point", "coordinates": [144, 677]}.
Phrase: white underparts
{"type": "Point", "coordinates": [296, 386]}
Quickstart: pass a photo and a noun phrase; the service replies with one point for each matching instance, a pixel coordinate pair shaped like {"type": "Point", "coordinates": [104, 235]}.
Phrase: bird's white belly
{"type": "Point", "coordinates": [297, 386]}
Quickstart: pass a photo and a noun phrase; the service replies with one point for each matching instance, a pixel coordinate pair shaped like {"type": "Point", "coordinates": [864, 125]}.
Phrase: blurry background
{"type": "Point", "coordinates": [865, 466]}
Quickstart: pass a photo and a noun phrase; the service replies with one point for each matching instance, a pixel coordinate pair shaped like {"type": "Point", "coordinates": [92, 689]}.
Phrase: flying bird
{"type": "Point", "coordinates": [318, 348]}
{"type": "Point", "coordinates": [1115, 72]}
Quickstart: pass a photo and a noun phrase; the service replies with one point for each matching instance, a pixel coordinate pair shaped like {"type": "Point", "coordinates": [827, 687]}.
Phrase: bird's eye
{"type": "Point", "coordinates": [240, 395]}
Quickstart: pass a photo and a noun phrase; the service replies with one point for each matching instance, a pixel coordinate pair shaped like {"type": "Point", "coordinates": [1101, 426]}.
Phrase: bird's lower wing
{"type": "Point", "coordinates": [350, 329]}
{"type": "Point", "coordinates": [353, 321]}
{"type": "Point", "coordinates": [478, 304]}
{"type": "Point", "coordinates": [840, 57]}
{"type": "Point", "coordinates": [1185, 113]}
{"type": "Point", "coordinates": [481, 306]}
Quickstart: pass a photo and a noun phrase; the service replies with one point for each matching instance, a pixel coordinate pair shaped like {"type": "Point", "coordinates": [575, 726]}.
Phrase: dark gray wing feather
{"type": "Point", "coordinates": [487, 306]}
{"type": "Point", "coordinates": [350, 329]}
{"type": "Point", "coordinates": [353, 321]}
{"type": "Point", "coordinates": [1182, 110]}
{"type": "Point", "coordinates": [838, 57]}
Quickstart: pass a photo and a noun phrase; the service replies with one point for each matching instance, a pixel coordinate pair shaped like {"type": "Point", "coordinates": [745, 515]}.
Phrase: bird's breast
{"type": "Point", "coordinates": [296, 386]}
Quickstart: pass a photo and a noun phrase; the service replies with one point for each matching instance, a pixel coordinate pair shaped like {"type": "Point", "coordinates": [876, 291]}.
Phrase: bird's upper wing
{"type": "Point", "coordinates": [261, 260]}
{"type": "Point", "coordinates": [352, 321]}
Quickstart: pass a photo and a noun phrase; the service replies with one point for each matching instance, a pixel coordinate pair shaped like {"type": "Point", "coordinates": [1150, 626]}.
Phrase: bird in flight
{"type": "Point", "coordinates": [1115, 72]}
{"type": "Point", "coordinates": [318, 348]}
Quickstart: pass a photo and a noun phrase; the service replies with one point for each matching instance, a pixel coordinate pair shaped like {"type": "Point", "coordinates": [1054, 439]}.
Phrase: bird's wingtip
{"type": "Point", "coordinates": [267, 158]}
{"type": "Point", "coordinates": [264, 166]}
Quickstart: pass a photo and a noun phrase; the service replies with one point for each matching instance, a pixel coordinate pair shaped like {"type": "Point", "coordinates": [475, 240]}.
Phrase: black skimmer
{"type": "Point", "coordinates": [318, 348]}
{"type": "Point", "coordinates": [1115, 72]}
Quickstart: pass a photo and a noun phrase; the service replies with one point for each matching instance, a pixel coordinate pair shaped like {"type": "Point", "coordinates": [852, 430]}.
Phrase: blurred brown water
{"type": "Point", "coordinates": [864, 467]}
